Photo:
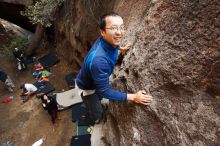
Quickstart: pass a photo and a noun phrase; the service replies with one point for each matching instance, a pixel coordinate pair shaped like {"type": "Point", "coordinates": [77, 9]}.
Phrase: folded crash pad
{"type": "Point", "coordinates": [81, 140]}
{"type": "Point", "coordinates": [44, 87]}
{"type": "Point", "coordinates": [81, 115]}
{"type": "Point", "coordinates": [48, 60]}
{"type": "Point", "coordinates": [70, 79]}
{"type": "Point", "coordinates": [68, 98]}
{"type": "Point", "coordinates": [83, 130]}
{"type": "Point", "coordinates": [78, 111]}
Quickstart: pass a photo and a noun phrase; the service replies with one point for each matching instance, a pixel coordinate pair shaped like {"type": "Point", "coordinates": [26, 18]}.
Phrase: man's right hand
{"type": "Point", "coordinates": [140, 97]}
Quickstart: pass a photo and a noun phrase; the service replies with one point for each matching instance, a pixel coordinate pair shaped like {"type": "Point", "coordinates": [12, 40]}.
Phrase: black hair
{"type": "Point", "coordinates": [102, 21]}
{"type": "Point", "coordinates": [22, 86]}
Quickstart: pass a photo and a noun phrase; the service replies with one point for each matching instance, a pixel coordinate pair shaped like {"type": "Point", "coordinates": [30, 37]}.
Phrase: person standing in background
{"type": "Point", "coordinates": [19, 55]}
{"type": "Point", "coordinates": [7, 80]}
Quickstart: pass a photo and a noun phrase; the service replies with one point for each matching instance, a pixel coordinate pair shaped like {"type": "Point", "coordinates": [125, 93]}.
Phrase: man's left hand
{"type": "Point", "coordinates": [126, 47]}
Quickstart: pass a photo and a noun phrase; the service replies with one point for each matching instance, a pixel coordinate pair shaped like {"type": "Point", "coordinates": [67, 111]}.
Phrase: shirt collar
{"type": "Point", "coordinates": [107, 46]}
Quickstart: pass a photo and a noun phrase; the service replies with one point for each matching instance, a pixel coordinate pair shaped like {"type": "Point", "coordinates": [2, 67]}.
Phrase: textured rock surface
{"type": "Point", "coordinates": [175, 46]}
{"type": "Point", "coordinates": [213, 80]}
{"type": "Point", "coordinates": [20, 2]}
{"type": "Point", "coordinates": [175, 53]}
{"type": "Point", "coordinates": [76, 27]}
{"type": "Point", "coordinates": [12, 13]}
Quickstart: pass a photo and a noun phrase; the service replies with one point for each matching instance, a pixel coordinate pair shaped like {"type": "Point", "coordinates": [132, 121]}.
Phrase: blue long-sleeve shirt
{"type": "Point", "coordinates": [96, 69]}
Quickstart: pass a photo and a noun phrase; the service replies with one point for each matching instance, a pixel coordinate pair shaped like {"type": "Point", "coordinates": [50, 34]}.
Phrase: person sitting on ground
{"type": "Point", "coordinates": [50, 105]}
{"type": "Point", "coordinates": [7, 80]}
{"type": "Point", "coordinates": [19, 55]}
{"type": "Point", "coordinates": [28, 90]}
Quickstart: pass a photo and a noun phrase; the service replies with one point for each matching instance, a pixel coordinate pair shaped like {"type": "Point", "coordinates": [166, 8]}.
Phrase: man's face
{"type": "Point", "coordinates": [114, 30]}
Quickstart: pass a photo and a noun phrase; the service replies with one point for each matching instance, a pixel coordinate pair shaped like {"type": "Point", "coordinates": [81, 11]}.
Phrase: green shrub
{"type": "Point", "coordinates": [6, 51]}
{"type": "Point", "coordinates": [16, 42]}
{"type": "Point", "coordinates": [42, 11]}
{"type": "Point", "coordinates": [19, 42]}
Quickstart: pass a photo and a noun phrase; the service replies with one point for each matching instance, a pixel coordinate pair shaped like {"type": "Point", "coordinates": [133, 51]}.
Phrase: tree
{"type": "Point", "coordinates": [42, 11]}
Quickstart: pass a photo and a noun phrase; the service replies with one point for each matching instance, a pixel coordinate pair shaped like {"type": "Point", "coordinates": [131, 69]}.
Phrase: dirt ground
{"type": "Point", "coordinates": [23, 124]}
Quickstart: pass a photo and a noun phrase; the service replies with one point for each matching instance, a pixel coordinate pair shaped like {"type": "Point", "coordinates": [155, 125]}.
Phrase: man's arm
{"type": "Point", "coordinates": [28, 92]}
{"type": "Point", "coordinates": [100, 71]}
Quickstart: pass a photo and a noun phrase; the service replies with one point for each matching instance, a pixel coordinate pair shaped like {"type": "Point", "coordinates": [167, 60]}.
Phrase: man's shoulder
{"type": "Point", "coordinates": [97, 54]}
{"type": "Point", "coordinates": [99, 58]}
{"type": "Point", "coordinates": [100, 62]}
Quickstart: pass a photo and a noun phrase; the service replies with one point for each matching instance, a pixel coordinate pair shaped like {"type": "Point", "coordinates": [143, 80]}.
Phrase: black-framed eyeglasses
{"type": "Point", "coordinates": [115, 28]}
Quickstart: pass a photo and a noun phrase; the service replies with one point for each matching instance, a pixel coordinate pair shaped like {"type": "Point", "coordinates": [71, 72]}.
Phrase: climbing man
{"type": "Point", "coordinates": [93, 78]}
{"type": "Point", "coordinates": [7, 80]}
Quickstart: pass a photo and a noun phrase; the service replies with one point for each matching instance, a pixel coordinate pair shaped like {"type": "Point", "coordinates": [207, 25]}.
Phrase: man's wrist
{"type": "Point", "coordinates": [131, 97]}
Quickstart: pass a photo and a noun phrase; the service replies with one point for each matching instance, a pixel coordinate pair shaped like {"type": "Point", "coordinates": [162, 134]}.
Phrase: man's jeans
{"type": "Point", "coordinates": [94, 106]}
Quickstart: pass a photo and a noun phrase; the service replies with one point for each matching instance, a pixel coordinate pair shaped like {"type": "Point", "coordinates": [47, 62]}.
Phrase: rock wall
{"type": "Point", "coordinates": [20, 2]}
{"type": "Point", "coordinates": [76, 27]}
{"type": "Point", "coordinates": [175, 53]}
{"type": "Point", "coordinates": [12, 13]}
{"type": "Point", "coordinates": [176, 49]}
